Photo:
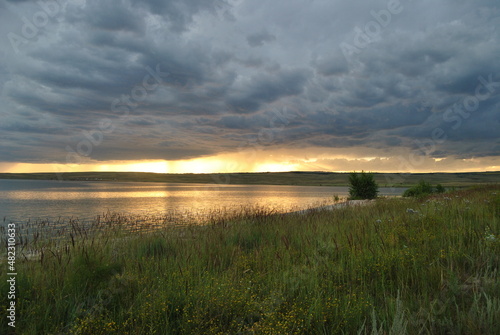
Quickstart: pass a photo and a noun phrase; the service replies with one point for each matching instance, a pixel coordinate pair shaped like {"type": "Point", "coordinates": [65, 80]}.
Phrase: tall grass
{"type": "Point", "coordinates": [396, 266]}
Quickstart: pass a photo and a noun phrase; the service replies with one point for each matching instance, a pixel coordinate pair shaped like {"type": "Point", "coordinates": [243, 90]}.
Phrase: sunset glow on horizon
{"type": "Point", "coordinates": [236, 163]}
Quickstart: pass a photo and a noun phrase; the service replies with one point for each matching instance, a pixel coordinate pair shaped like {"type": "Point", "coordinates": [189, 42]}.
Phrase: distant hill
{"type": "Point", "coordinates": [270, 178]}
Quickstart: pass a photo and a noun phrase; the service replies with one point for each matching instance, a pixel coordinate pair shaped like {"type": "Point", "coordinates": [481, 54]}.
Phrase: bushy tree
{"type": "Point", "coordinates": [362, 186]}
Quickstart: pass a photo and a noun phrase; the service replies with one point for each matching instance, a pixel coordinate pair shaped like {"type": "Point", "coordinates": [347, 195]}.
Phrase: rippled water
{"type": "Point", "coordinates": [21, 200]}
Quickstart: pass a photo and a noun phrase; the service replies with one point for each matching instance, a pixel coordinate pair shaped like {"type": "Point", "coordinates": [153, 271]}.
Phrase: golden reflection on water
{"type": "Point", "coordinates": [40, 199]}
{"type": "Point", "coordinates": [68, 195]}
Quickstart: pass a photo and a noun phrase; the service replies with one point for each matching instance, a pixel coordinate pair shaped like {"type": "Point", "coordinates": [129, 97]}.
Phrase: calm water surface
{"type": "Point", "coordinates": [21, 200]}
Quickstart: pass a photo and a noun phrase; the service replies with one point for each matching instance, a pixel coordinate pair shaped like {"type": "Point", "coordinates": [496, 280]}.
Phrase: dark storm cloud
{"type": "Point", "coordinates": [226, 71]}
{"type": "Point", "coordinates": [179, 13]}
{"type": "Point", "coordinates": [111, 15]}
{"type": "Point", "coordinates": [266, 88]}
{"type": "Point", "coordinates": [258, 39]}
{"type": "Point", "coordinates": [331, 64]}
{"type": "Point", "coordinates": [353, 123]}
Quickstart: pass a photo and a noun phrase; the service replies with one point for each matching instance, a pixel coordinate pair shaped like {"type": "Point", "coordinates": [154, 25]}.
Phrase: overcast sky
{"type": "Point", "coordinates": [250, 85]}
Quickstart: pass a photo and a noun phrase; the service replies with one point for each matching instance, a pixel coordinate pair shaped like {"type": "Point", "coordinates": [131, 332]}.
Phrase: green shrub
{"type": "Point", "coordinates": [423, 188]}
{"type": "Point", "coordinates": [440, 188]}
{"type": "Point", "coordinates": [363, 186]}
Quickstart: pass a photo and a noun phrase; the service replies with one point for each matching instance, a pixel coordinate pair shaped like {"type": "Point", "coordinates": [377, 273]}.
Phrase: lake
{"type": "Point", "coordinates": [21, 200]}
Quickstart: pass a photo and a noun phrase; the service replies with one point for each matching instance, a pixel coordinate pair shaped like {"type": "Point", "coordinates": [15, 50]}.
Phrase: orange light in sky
{"type": "Point", "coordinates": [146, 166]}
{"type": "Point", "coordinates": [269, 161]}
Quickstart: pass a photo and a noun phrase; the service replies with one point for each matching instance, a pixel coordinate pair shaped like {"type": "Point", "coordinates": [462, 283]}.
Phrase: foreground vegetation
{"type": "Point", "coordinates": [271, 178]}
{"type": "Point", "coordinates": [396, 266]}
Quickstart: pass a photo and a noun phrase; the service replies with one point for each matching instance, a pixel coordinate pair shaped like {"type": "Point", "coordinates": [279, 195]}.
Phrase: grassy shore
{"type": "Point", "coordinates": [271, 178]}
{"type": "Point", "coordinates": [395, 266]}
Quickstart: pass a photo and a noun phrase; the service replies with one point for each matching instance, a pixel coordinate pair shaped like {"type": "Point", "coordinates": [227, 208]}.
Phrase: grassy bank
{"type": "Point", "coordinates": [270, 178]}
{"type": "Point", "coordinates": [427, 266]}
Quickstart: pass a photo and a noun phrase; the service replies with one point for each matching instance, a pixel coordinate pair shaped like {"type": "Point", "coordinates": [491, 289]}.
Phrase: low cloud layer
{"type": "Point", "coordinates": [97, 81]}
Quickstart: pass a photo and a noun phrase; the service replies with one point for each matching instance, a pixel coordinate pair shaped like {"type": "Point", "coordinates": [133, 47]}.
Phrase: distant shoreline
{"type": "Point", "coordinates": [298, 178]}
